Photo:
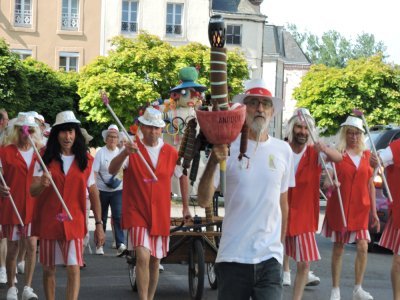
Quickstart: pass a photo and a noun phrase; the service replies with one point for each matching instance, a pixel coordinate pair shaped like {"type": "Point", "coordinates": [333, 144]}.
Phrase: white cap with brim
{"type": "Point", "coordinates": [152, 117]}
{"type": "Point", "coordinates": [25, 119]}
{"type": "Point", "coordinates": [258, 88]}
{"type": "Point", "coordinates": [113, 128]}
{"type": "Point", "coordinates": [354, 122]}
{"type": "Point", "coordinates": [65, 117]}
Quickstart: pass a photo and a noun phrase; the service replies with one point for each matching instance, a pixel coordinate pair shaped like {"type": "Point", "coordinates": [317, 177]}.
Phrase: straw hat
{"type": "Point", "coordinates": [113, 128]}
{"type": "Point", "coordinates": [25, 119]}
{"type": "Point", "coordinates": [355, 122]}
{"type": "Point", "coordinates": [258, 87]}
{"type": "Point", "coordinates": [66, 117]}
{"type": "Point", "coordinates": [152, 117]}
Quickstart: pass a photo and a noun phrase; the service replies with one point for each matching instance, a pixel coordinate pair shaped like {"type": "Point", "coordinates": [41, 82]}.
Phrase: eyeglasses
{"type": "Point", "coordinates": [353, 133]}
{"type": "Point", "coordinates": [255, 103]}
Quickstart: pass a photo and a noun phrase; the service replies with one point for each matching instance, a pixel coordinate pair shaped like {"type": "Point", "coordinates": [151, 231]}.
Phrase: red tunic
{"type": "Point", "coordinates": [354, 188]}
{"type": "Point", "coordinates": [393, 177]}
{"type": "Point", "coordinates": [73, 188]}
{"type": "Point", "coordinates": [18, 177]}
{"type": "Point", "coordinates": [146, 203]}
{"type": "Point", "coordinates": [304, 197]}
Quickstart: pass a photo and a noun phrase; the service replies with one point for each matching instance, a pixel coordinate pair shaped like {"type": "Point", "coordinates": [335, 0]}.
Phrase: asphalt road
{"type": "Point", "coordinates": [106, 277]}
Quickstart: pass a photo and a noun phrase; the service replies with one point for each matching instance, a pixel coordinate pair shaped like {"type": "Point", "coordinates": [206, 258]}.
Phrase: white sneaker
{"type": "Point", "coordinates": [121, 250]}
{"type": "Point", "coordinates": [335, 294]}
{"type": "Point", "coordinates": [3, 278]}
{"type": "Point", "coordinates": [160, 268]}
{"type": "Point", "coordinates": [21, 267]}
{"type": "Point", "coordinates": [114, 245]}
{"type": "Point", "coordinates": [360, 294]}
{"type": "Point", "coordinates": [12, 293]}
{"type": "Point", "coordinates": [312, 280]}
{"type": "Point", "coordinates": [286, 278]}
{"type": "Point", "coordinates": [28, 294]}
{"type": "Point", "coordinates": [100, 251]}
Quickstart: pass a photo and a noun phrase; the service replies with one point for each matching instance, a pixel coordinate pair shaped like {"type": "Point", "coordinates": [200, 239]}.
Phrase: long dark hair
{"type": "Point", "coordinates": [53, 148]}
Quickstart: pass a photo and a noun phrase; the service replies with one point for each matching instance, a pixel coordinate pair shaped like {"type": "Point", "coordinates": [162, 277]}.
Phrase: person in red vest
{"type": "Point", "coordinates": [61, 239]}
{"type": "Point", "coordinates": [357, 189]}
{"type": "Point", "coordinates": [300, 243]}
{"type": "Point", "coordinates": [390, 238]}
{"type": "Point", "coordinates": [146, 203]}
{"type": "Point", "coordinates": [17, 160]}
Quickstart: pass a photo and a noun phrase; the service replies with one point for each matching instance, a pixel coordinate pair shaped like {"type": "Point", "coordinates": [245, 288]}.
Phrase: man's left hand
{"type": "Point", "coordinates": [99, 236]}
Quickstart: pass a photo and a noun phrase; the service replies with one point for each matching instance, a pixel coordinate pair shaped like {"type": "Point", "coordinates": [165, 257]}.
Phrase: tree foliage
{"type": "Point", "coordinates": [333, 49]}
{"type": "Point", "coordinates": [141, 70]}
{"type": "Point", "coordinates": [367, 83]}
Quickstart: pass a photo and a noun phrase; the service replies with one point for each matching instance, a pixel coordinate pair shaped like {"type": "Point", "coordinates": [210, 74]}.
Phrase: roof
{"type": "Point", "coordinates": [225, 5]}
{"type": "Point", "coordinates": [280, 43]}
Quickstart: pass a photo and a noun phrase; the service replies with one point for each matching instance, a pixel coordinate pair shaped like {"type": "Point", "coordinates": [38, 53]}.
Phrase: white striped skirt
{"type": "Point", "coordinates": [302, 247]}
{"type": "Point", "coordinates": [344, 237]}
{"type": "Point", "coordinates": [16, 232]}
{"type": "Point", "coordinates": [60, 252]}
{"type": "Point", "coordinates": [140, 237]}
{"type": "Point", "coordinates": [390, 238]}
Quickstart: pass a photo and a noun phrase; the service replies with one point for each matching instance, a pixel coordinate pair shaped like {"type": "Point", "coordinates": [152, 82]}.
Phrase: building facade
{"type": "Point", "coordinates": [62, 33]}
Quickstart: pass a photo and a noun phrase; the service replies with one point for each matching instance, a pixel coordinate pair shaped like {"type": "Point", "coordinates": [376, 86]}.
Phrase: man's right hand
{"type": "Point", "coordinates": [4, 191]}
{"type": "Point", "coordinates": [131, 148]}
{"type": "Point", "coordinates": [220, 152]}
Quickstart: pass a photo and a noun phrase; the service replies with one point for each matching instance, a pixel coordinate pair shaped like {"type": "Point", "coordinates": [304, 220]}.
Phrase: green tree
{"type": "Point", "coordinates": [142, 70]}
{"type": "Point", "coordinates": [367, 83]}
{"type": "Point", "coordinates": [13, 83]}
{"type": "Point", "coordinates": [333, 49]}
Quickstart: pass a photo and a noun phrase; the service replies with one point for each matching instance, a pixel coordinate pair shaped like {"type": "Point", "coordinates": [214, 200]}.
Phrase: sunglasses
{"type": "Point", "coordinates": [255, 102]}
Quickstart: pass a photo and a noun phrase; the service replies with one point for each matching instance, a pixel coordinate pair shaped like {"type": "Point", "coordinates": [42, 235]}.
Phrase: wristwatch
{"type": "Point", "coordinates": [99, 222]}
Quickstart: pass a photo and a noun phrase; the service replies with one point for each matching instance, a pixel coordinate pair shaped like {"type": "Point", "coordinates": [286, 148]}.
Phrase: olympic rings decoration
{"type": "Point", "coordinates": [176, 125]}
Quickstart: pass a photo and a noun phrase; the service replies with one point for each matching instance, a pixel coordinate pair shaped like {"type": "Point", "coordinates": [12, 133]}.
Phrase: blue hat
{"type": "Point", "coordinates": [188, 76]}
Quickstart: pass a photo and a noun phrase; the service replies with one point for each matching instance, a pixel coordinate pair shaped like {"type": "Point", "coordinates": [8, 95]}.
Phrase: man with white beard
{"type": "Point", "coordinates": [250, 255]}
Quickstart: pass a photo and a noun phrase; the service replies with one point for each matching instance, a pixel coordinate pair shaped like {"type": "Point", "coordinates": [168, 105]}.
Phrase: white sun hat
{"type": "Point", "coordinates": [113, 128]}
{"type": "Point", "coordinates": [25, 119]}
{"type": "Point", "coordinates": [305, 111]}
{"type": "Point", "coordinates": [152, 117]}
{"type": "Point", "coordinates": [66, 117]}
{"type": "Point", "coordinates": [258, 87]}
{"type": "Point", "coordinates": [355, 122]}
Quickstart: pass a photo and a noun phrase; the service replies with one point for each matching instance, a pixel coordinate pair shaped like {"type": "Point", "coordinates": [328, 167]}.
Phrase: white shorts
{"type": "Point", "coordinates": [54, 252]}
{"type": "Point", "coordinates": [16, 232]}
{"type": "Point", "coordinates": [157, 245]}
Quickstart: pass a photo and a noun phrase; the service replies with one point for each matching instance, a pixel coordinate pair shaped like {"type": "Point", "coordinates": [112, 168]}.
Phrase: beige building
{"type": "Point", "coordinates": [62, 33]}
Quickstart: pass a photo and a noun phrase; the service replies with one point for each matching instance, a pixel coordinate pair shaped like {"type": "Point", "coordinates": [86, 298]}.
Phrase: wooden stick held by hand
{"type": "Point", "coordinates": [12, 200]}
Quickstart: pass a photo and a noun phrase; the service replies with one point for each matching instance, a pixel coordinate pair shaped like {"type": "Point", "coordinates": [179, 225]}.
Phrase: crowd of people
{"type": "Point", "coordinates": [51, 180]}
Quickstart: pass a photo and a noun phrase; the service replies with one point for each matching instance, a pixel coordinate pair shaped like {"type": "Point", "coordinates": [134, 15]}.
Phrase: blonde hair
{"type": "Point", "coordinates": [342, 144]}
{"type": "Point", "coordinates": [12, 136]}
{"type": "Point", "coordinates": [295, 120]}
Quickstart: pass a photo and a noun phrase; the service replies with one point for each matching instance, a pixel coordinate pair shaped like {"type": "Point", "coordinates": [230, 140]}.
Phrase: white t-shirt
{"type": "Point", "coordinates": [356, 159]}
{"type": "Point", "coordinates": [26, 155]}
{"type": "Point", "coordinates": [67, 162]}
{"type": "Point", "coordinates": [154, 153]}
{"type": "Point", "coordinates": [251, 230]}
{"type": "Point", "coordinates": [297, 157]}
{"type": "Point", "coordinates": [100, 165]}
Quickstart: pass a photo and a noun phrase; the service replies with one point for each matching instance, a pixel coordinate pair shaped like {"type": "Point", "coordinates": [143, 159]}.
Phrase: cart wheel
{"type": "Point", "coordinates": [212, 278]}
{"type": "Point", "coordinates": [196, 270]}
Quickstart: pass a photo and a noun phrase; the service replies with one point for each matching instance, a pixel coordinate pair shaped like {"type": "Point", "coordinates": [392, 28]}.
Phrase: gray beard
{"type": "Point", "coordinates": [258, 126]}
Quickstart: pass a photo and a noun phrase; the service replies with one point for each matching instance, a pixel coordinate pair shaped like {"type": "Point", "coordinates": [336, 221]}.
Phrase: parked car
{"type": "Point", "coordinates": [381, 136]}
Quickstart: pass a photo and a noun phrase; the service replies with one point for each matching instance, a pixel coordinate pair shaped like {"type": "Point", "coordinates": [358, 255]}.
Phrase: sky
{"type": "Point", "coordinates": [348, 17]}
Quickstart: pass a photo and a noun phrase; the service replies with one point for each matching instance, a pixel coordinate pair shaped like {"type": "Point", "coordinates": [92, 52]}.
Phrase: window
{"type": "Point", "coordinates": [233, 34]}
{"type": "Point", "coordinates": [70, 15]}
{"type": "Point", "coordinates": [129, 16]}
{"type": "Point", "coordinates": [174, 18]}
{"type": "Point", "coordinates": [23, 13]}
{"type": "Point", "coordinates": [22, 53]}
{"type": "Point", "coordinates": [69, 61]}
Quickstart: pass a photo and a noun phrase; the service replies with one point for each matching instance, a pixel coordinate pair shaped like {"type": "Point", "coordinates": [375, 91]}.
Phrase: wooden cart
{"type": "Point", "coordinates": [195, 244]}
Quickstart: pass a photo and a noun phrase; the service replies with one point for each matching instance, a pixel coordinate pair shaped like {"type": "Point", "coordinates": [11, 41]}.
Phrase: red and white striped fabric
{"type": "Point", "coordinates": [344, 237]}
{"type": "Point", "coordinates": [16, 232]}
{"type": "Point", "coordinates": [53, 252]}
{"type": "Point", "coordinates": [302, 247]}
{"type": "Point", "coordinates": [157, 245]}
{"type": "Point", "coordinates": [390, 238]}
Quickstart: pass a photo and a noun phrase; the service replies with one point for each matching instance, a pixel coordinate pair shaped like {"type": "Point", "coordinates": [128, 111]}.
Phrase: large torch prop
{"type": "Point", "coordinates": [359, 113]}
{"type": "Point", "coordinates": [11, 200]}
{"type": "Point", "coordinates": [221, 125]}
{"type": "Point", "coordinates": [26, 132]}
{"type": "Point", "coordinates": [106, 102]}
